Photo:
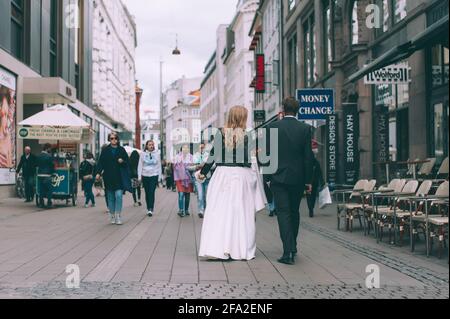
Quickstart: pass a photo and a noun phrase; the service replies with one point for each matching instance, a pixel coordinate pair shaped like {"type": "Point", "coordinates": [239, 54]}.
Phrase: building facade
{"type": "Point", "coordinates": [45, 59]}
{"type": "Point", "coordinates": [238, 60]}
{"type": "Point", "coordinates": [114, 69]}
{"type": "Point", "coordinates": [343, 45]}
{"type": "Point", "coordinates": [265, 32]}
{"type": "Point", "coordinates": [181, 116]}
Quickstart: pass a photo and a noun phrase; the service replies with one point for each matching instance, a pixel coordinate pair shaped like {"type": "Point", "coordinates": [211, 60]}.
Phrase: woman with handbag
{"type": "Point", "coordinates": [113, 166]}
{"type": "Point", "coordinates": [87, 170]}
{"type": "Point", "coordinates": [183, 179]}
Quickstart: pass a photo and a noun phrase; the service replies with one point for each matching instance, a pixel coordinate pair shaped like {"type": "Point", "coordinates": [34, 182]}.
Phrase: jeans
{"type": "Point", "coordinates": [184, 201]}
{"type": "Point", "coordinates": [88, 193]}
{"type": "Point", "coordinates": [115, 201]}
{"type": "Point", "coordinates": [29, 187]}
{"type": "Point", "coordinates": [45, 190]}
{"type": "Point", "coordinates": [202, 189]}
{"type": "Point", "coordinates": [150, 184]}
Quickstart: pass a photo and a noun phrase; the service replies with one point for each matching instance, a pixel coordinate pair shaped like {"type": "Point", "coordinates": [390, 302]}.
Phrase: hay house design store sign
{"type": "Point", "coordinates": [351, 143]}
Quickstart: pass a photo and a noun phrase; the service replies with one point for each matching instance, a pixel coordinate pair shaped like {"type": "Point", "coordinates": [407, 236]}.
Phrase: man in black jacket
{"type": "Point", "coordinates": [293, 175]}
{"type": "Point", "coordinates": [27, 165]}
{"type": "Point", "coordinates": [46, 170]}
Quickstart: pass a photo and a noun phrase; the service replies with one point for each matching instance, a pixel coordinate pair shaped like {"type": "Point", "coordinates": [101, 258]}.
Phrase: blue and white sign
{"type": "Point", "coordinates": [315, 104]}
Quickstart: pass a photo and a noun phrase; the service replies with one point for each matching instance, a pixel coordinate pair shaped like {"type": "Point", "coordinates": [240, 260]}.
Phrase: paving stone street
{"type": "Point", "coordinates": [157, 258]}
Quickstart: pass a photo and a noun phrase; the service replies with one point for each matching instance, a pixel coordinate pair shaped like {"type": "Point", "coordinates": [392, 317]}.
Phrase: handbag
{"type": "Point", "coordinates": [325, 197]}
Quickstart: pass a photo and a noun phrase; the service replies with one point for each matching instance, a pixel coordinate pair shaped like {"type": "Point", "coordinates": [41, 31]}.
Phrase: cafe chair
{"type": "Point", "coordinates": [349, 196]}
{"type": "Point", "coordinates": [434, 224]}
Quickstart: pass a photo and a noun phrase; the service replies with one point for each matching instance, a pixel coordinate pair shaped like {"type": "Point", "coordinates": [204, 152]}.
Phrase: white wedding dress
{"type": "Point", "coordinates": [234, 196]}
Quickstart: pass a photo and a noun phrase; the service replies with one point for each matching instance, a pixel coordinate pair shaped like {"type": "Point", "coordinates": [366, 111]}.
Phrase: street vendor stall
{"type": "Point", "coordinates": [59, 126]}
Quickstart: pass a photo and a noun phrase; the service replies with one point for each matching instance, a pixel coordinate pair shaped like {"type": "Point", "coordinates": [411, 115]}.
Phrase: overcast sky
{"type": "Point", "coordinates": [158, 21]}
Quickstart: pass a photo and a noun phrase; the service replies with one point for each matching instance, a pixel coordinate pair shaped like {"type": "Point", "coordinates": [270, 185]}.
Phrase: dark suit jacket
{"type": "Point", "coordinates": [295, 156]}
{"type": "Point", "coordinates": [28, 166]}
{"type": "Point", "coordinates": [45, 164]}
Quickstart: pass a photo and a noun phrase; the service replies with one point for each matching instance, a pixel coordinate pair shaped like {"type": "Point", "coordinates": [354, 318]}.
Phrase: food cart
{"type": "Point", "coordinates": [57, 125]}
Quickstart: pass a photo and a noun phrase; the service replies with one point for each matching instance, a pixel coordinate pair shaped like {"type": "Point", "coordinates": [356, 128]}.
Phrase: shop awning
{"type": "Point", "coordinates": [404, 50]}
{"type": "Point", "coordinates": [48, 91]}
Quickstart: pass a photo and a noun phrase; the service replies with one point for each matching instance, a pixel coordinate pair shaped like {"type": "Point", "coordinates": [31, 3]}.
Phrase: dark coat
{"type": "Point", "coordinates": [115, 176]}
{"type": "Point", "coordinates": [28, 166]}
{"type": "Point", "coordinates": [295, 156]}
{"type": "Point", "coordinates": [45, 164]}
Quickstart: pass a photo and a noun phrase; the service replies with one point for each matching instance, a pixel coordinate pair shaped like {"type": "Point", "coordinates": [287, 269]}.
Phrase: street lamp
{"type": "Point", "coordinates": [176, 51]}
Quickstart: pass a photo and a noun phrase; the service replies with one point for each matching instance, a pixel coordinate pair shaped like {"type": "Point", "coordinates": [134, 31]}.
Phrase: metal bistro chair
{"type": "Point", "coordinates": [369, 211]}
{"type": "Point", "coordinates": [398, 215]}
{"type": "Point", "coordinates": [431, 225]}
{"type": "Point", "coordinates": [384, 215]}
{"type": "Point", "coordinates": [442, 174]}
{"type": "Point", "coordinates": [354, 197]}
{"type": "Point", "coordinates": [426, 169]}
{"type": "Point", "coordinates": [354, 209]}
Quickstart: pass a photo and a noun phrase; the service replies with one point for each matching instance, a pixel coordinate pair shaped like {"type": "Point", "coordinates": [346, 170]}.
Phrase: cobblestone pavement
{"type": "Point", "coordinates": [92, 290]}
{"type": "Point", "coordinates": [157, 258]}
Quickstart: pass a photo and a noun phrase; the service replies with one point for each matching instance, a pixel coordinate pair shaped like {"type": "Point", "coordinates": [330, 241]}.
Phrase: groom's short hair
{"type": "Point", "coordinates": [291, 106]}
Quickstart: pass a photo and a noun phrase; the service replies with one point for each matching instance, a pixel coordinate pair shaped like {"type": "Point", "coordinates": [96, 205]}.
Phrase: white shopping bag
{"type": "Point", "coordinates": [325, 198]}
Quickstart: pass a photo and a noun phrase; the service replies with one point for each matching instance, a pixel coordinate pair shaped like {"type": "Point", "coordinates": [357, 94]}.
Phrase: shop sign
{"type": "Point", "coordinates": [50, 133]}
{"type": "Point", "coordinates": [351, 143]}
{"type": "Point", "coordinates": [381, 136]}
{"type": "Point", "coordinates": [332, 149]}
{"type": "Point", "coordinates": [260, 85]}
{"type": "Point", "coordinates": [393, 74]}
{"type": "Point", "coordinates": [315, 104]}
{"type": "Point", "coordinates": [260, 116]}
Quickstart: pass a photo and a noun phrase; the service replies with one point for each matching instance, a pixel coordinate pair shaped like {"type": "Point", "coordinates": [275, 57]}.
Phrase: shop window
{"type": "Point", "coordinates": [291, 5]}
{"type": "Point", "coordinates": [383, 5]}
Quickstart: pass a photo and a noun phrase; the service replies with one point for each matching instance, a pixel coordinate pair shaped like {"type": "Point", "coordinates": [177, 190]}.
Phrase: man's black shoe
{"type": "Point", "coordinates": [286, 260]}
{"type": "Point", "coordinates": [272, 213]}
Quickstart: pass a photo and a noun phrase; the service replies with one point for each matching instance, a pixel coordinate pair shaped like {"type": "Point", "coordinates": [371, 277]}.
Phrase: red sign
{"type": "Point", "coordinates": [260, 74]}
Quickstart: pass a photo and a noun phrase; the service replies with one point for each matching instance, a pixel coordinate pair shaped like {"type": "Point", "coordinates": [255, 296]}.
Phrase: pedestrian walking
{"type": "Point", "coordinates": [45, 172]}
{"type": "Point", "coordinates": [113, 166]}
{"type": "Point", "coordinates": [293, 176]}
{"type": "Point", "coordinates": [150, 172]}
{"type": "Point", "coordinates": [318, 181]}
{"type": "Point", "coordinates": [200, 159]}
{"type": "Point", "coordinates": [27, 165]}
{"type": "Point", "coordinates": [135, 181]}
{"type": "Point", "coordinates": [170, 184]}
{"type": "Point", "coordinates": [183, 179]}
{"type": "Point", "coordinates": [234, 195]}
{"type": "Point", "coordinates": [87, 172]}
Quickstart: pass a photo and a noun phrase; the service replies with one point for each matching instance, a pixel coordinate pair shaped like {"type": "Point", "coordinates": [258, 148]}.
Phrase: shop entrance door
{"type": "Point", "coordinates": [440, 135]}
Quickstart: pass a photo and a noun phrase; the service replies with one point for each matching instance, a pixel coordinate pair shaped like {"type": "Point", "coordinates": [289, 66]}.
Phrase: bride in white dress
{"type": "Point", "coordinates": [234, 195]}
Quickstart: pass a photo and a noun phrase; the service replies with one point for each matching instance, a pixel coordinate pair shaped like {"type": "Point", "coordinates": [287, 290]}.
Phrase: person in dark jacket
{"type": "Point", "coordinates": [28, 164]}
{"type": "Point", "coordinates": [135, 183]}
{"type": "Point", "coordinates": [113, 166]}
{"type": "Point", "coordinates": [87, 171]}
{"type": "Point", "coordinates": [293, 175]}
{"type": "Point", "coordinates": [45, 171]}
{"type": "Point", "coordinates": [317, 181]}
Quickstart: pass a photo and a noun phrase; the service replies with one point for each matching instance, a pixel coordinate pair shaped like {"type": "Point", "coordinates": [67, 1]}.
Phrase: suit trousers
{"type": "Point", "coordinates": [288, 199]}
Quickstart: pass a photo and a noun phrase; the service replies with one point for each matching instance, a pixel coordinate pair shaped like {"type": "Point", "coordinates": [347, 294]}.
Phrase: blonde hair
{"type": "Point", "coordinates": [235, 126]}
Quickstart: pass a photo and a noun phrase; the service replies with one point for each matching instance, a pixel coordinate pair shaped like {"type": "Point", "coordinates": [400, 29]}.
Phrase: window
{"type": "Point", "coordinates": [309, 52]}
{"type": "Point", "coordinates": [53, 37]}
{"type": "Point", "coordinates": [292, 64]}
{"type": "Point", "coordinates": [291, 5]}
{"type": "Point", "coordinates": [439, 65]}
{"type": "Point", "coordinates": [399, 7]}
{"type": "Point", "coordinates": [17, 29]}
{"type": "Point", "coordinates": [384, 17]}
{"type": "Point", "coordinates": [328, 34]}
{"type": "Point", "coordinates": [355, 23]}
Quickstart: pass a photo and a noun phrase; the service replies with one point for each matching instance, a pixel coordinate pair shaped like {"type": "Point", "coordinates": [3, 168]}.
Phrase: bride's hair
{"type": "Point", "coordinates": [235, 127]}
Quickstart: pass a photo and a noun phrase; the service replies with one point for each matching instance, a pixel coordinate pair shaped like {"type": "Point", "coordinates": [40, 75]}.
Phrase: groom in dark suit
{"type": "Point", "coordinates": [293, 176]}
